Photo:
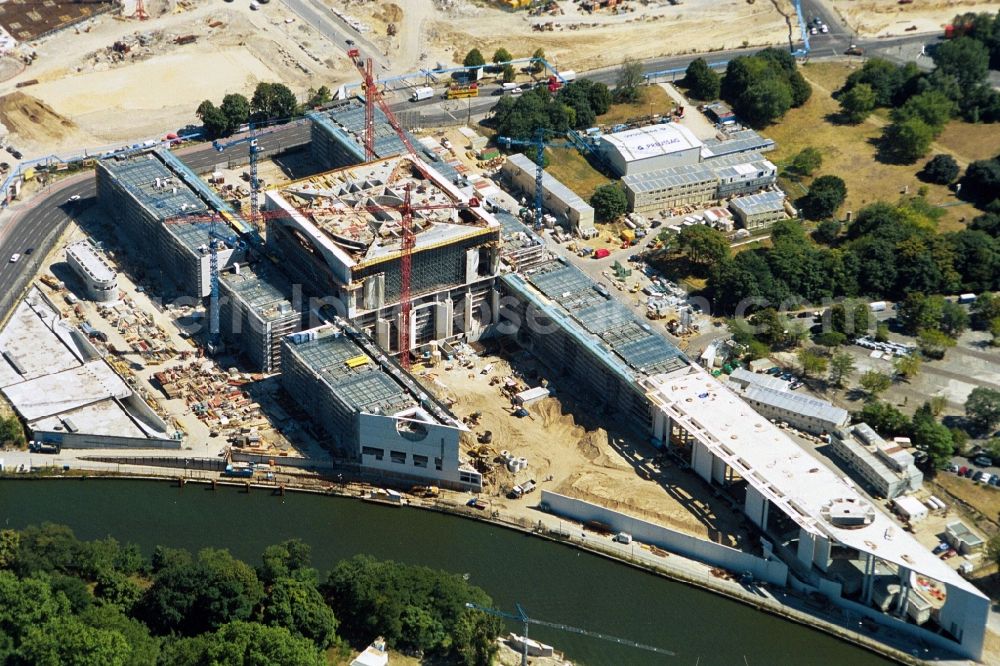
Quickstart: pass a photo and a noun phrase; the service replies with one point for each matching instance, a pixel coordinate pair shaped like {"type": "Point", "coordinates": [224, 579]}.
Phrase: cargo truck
{"type": "Point", "coordinates": [424, 92]}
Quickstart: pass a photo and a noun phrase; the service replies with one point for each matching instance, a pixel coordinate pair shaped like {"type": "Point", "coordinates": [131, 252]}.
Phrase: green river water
{"type": "Point", "coordinates": [552, 581]}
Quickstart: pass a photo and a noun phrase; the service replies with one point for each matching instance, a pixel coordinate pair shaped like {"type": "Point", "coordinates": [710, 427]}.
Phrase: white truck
{"type": "Point", "coordinates": [424, 92]}
{"type": "Point", "coordinates": [568, 75]}
{"type": "Point", "coordinates": [877, 306]}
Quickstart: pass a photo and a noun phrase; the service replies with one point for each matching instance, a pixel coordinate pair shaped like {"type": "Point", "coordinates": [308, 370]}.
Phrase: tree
{"type": "Point", "coordinates": [874, 382]}
{"type": "Point", "coordinates": [702, 81]}
{"type": "Point", "coordinates": [981, 181]}
{"type": "Point", "coordinates": [805, 162]}
{"type": "Point", "coordinates": [964, 59]}
{"type": "Point", "coordinates": [318, 97]}
{"type": "Point", "coordinates": [841, 367]}
{"type": "Point", "coordinates": [508, 73]}
{"type": "Point", "coordinates": [236, 110]}
{"type": "Point", "coordinates": [884, 418]}
{"type": "Point", "coordinates": [940, 169]}
{"type": "Point", "coordinates": [214, 120]}
{"type": "Point", "coordinates": [627, 85]}
{"type": "Point", "coordinates": [474, 59]}
{"type": "Point", "coordinates": [243, 644]}
{"type": "Point", "coordinates": [501, 55]}
{"type": "Point", "coordinates": [857, 103]}
{"type": "Point", "coordinates": [297, 606]}
{"type": "Point", "coordinates": [982, 408]}
{"type": "Point", "coordinates": [827, 232]}
{"type": "Point", "coordinates": [931, 106]}
{"type": "Point", "coordinates": [954, 319]}
{"type": "Point", "coordinates": [609, 202]}
{"type": "Point", "coordinates": [537, 66]}
{"type": "Point", "coordinates": [813, 362]}
{"type": "Point", "coordinates": [908, 140]}
{"type": "Point", "coordinates": [918, 311]}
{"type": "Point", "coordinates": [851, 318]}
{"type": "Point", "coordinates": [907, 366]}
{"type": "Point", "coordinates": [703, 245]}
{"type": "Point", "coordinates": [825, 196]}
{"type": "Point", "coordinates": [830, 339]}
{"type": "Point", "coordinates": [882, 333]}
{"type": "Point", "coordinates": [932, 437]}
{"type": "Point", "coordinates": [67, 640]}
{"type": "Point", "coordinates": [985, 309]}
{"type": "Point", "coordinates": [765, 101]}
{"type": "Point", "coordinates": [933, 343]}
{"type": "Point", "coordinates": [272, 101]}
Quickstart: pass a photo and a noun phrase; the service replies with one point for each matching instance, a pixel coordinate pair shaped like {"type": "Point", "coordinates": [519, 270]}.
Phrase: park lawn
{"type": "Point", "coordinates": [654, 100]}
{"type": "Point", "coordinates": [849, 150]}
{"type": "Point", "coordinates": [573, 170]}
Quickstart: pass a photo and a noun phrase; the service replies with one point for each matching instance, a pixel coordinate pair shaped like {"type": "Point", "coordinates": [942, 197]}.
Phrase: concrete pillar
{"type": "Point", "coordinates": [904, 592]}
{"type": "Point", "coordinates": [494, 306]}
{"type": "Point", "coordinates": [444, 313]}
{"type": "Point", "coordinates": [806, 549]}
{"type": "Point", "coordinates": [765, 512]}
{"type": "Point", "coordinates": [868, 587]}
{"type": "Point", "coordinates": [467, 313]}
{"type": "Point", "coordinates": [382, 328]}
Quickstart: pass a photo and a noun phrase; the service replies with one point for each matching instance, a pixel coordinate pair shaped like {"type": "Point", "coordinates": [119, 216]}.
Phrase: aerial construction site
{"type": "Point", "coordinates": [344, 297]}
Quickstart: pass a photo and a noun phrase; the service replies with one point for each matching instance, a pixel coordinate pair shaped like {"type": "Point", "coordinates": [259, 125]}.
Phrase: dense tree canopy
{"type": "Point", "coordinates": [825, 196]}
{"type": "Point", "coordinates": [215, 609]}
{"type": "Point", "coordinates": [609, 202]}
{"type": "Point", "coordinates": [857, 103]}
{"type": "Point", "coordinates": [702, 81]}
{"type": "Point", "coordinates": [940, 169]}
{"type": "Point", "coordinates": [762, 87]}
{"type": "Point", "coordinates": [272, 101]}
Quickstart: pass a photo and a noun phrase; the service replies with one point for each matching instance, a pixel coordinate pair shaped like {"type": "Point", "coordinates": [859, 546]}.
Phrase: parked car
{"type": "Point", "coordinates": [969, 472]}
{"type": "Point", "coordinates": [978, 475]}
{"type": "Point", "coordinates": [995, 481]}
{"type": "Point", "coordinates": [795, 385]}
{"type": "Point", "coordinates": [949, 554]}
{"type": "Point", "coordinates": [774, 371]}
{"type": "Point", "coordinates": [941, 548]}
{"type": "Point", "coordinates": [985, 478]}
{"type": "Point", "coordinates": [962, 470]}
{"type": "Point", "coordinates": [952, 467]}
{"type": "Point", "coordinates": [982, 461]}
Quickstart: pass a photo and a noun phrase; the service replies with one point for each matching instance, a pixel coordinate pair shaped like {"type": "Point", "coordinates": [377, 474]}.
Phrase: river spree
{"type": "Point", "coordinates": [553, 582]}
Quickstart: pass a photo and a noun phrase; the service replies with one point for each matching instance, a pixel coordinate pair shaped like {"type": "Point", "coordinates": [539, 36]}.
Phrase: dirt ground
{"type": "Point", "coordinates": [849, 150]}
{"type": "Point", "coordinates": [35, 121]}
{"type": "Point", "coordinates": [886, 18]}
{"type": "Point", "coordinates": [611, 469]}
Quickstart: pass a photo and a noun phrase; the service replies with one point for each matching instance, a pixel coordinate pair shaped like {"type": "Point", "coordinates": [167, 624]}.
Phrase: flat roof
{"type": "Point", "coordinates": [874, 464]}
{"type": "Point", "coordinates": [758, 379]}
{"type": "Point", "coordinates": [762, 202]}
{"type": "Point", "coordinates": [686, 174]}
{"type": "Point", "coordinates": [262, 290]}
{"type": "Point", "coordinates": [106, 418]}
{"type": "Point", "coordinates": [86, 255]}
{"type": "Point", "coordinates": [551, 184]}
{"type": "Point", "coordinates": [64, 391]}
{"type": "Point", "coordinates": [798, 403]}
{"type": "Point", "coordinates": [351, 208]}
{"type": "Point", "coordinates": [360, 375]}
{"type": "Point", "coordinates": [784, 473]}
{"type": "Point", "coordinates": [651, 141]}
{"type": "Point", "coordinates": [33, 339]}
{"type": "Point", "coordinates": [740, 141]}
{"type": "Point", "coordinates": [597, 319]}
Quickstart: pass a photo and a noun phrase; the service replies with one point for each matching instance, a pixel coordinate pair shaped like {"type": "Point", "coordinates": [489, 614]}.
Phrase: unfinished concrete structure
{"type": "Point", "coordinates": [340, 237]}
{"type": "Point", "coordinates": [884, 467]}
{"type": "Point", "coordinates": [140, 192]}
{"type": "Point", "coordinates": [372, 411]}
{"type": "Point", "coordinates": [579, 329]}
{"type": "Point", "coordinates": [66, 393]}
{"type": "Point", "coordinates": [257, 310]}
{"type": "Point", "coordinates": [836, 542]}
{"type": "Point", "coordinates": [100, 281]}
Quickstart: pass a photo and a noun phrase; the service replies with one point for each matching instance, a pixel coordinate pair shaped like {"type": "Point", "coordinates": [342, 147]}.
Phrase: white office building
{"type": "Point", "coordinates": [99, 279]}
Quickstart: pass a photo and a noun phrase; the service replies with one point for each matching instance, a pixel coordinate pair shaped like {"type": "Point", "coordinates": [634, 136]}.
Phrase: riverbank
{"type": "Point", "coordinates": [550, 528]}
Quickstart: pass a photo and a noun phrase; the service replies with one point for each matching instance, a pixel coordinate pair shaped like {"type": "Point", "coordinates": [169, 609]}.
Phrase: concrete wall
{"type": "Point", "coordinates": [438, 444]}
{"type": "Point", "coordinates": [83, 441]}
{"type": "Point", "coordinates": [772, 571]}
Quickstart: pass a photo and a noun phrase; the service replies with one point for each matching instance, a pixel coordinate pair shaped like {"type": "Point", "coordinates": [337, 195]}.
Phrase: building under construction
{"type": "Point", "coordinates": [341, 239]}
{"type": "Point", "coordinates": [372, 411]}
{"type": "Point", "coordinates": [578, 328]}
{"type": "Point", "coordinates": [257, 309]}
{"type": "Point", "coordinates": [141, 192]}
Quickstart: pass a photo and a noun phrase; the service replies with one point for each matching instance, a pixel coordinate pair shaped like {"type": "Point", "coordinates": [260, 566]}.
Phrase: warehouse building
{"type": "Point", "coordinates": [255, 313]}
{"type": "Point", "coordinates": [66, 393]}
{"type": "Point", "coordinates": [702, 183]}
{"type": "Point", "coordinates": [372, 411]}
{"type": "Point", "coordinates": [558, 200]}
{"type": "Point", "coordinates": [142, 192]}
{"type": "Point", "coordinates": [886, 468]}
{"type": "Point", "coordinates": [759, 211]}
{"type": "Point", "coordinates": [839, 543]}
{"type": "Point", "coordinates": [650, 148]}
{"type": "Point", "coordinates": [739, 141]}
{"type": "Point", "coordinates": [337, 241]}
{"type": "Point", "coordinates": [100, 281]}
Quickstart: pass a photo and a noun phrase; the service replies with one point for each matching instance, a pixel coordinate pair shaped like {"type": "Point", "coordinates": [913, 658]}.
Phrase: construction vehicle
{"type": "Point", "coordinates": [425, 491]}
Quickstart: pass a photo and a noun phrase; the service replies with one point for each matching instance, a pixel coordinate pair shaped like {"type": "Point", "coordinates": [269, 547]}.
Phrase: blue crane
{"type": "Point", "coordinates": [804, 27]}
{"type": "Point", "coordinates": [523, 618]}
{"type": "Point", "coordinates": [539, 142]}
{"type": "Point", "coordinates": [217, 241]}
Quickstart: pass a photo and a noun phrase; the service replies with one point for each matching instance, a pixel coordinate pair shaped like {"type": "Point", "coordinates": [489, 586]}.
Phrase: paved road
{"type": "Point", "coordinates": [335, 29]}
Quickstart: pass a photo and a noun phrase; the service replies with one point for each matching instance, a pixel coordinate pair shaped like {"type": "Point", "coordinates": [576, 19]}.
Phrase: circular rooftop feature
{"type": "Point", "coordinates": [848, 512]}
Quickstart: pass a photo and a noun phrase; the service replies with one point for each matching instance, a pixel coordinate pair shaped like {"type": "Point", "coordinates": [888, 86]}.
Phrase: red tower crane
{"type": "Point", "coordinates": [140, 11]}
{"type": "Point", "coordinates": [373, 97]}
